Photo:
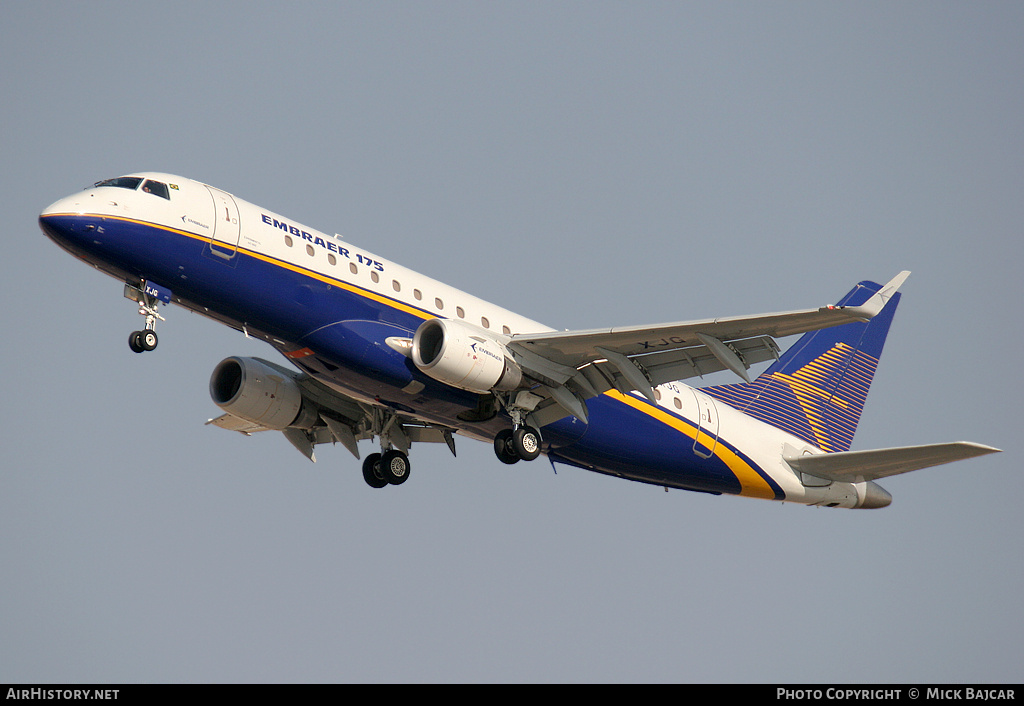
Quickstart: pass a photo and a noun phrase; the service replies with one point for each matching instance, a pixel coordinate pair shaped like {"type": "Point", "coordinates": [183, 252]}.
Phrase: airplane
{"type": "Point", "coordinates": [382, 352]}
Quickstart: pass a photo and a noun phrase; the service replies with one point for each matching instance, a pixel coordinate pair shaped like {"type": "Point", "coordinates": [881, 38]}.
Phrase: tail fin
{"type": "Point", "coordinates": [816, 390]}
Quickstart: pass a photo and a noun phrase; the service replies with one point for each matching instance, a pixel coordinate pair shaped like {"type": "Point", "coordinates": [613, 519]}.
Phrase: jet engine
{"type": "Point", "coordinates": [462, 356]}
{"type": "Point", "coordinates": [253, 390]}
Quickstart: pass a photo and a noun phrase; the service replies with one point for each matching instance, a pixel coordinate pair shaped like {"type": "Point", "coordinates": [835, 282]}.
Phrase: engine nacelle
{"type": "Point", "coordinates": [462, 356]}
{"type": "Point", "coordinates": [252, 390]}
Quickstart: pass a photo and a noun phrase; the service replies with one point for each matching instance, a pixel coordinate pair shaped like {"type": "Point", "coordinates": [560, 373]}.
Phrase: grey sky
{"type": "Point", "coordinates": [585, 164]}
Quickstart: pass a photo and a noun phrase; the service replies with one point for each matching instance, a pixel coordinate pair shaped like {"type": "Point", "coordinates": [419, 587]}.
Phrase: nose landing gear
{"type": "Point", "coordinates": [148, 296]}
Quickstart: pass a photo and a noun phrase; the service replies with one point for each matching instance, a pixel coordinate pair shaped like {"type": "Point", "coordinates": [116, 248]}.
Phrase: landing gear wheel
{"type": "Point", "coordinates": [134, 343]}
{"type": "Point", "coordinates": [526, 443]}
{"type": "Point", "coordinates": [372, 473]}
{"type": "Point", "coordinates": [148, 339]}
{"type": "Point", "coordinates": [503, 447]}
{"type": "Point", "coordinates": [394, 466]}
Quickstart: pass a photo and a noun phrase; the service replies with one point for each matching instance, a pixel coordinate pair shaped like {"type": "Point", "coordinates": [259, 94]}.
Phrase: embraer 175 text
{"type": "Point", "coordinates": [387, 353]}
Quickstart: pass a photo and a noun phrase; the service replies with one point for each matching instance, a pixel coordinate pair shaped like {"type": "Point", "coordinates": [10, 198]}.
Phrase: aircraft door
{"type": "Point", "coordinates": [226, 226]}
{"type": "Point", "coordinates": [707, 425]}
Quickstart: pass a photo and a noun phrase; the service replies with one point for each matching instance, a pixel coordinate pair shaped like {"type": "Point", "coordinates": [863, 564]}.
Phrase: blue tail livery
{"type": "Point", "coordinates": [376, 352]}
{"type": "Point", "coordinates": [817, 390]}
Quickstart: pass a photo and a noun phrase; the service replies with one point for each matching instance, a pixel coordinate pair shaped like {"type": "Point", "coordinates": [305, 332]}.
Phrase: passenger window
{"type": "Point", "coordinates": [288, 240]}
{"type": "Point", "coordinates": [506, 330]}
{"type": "Point", "coordinates": [484, 322]}
{"type": "Point", "coordinates": [461, 312]}
{"type": "Point", "coordinates": [677, 402]}
{"type": "Point", "coordinates": [331, 259]}
{"type": "Point", "coordinates": [156, 188]}
{"type": "Point", "coordinates": [438, 303]}
{"type": "Point", "coordinates": [310, 251]}
{"type": "Point", "coordinates": [352, 268]}
{"type": "Point", "coordinates": [418, 294]}
{"type": "Point", "coordinates": [396, 285]}
{"type": "Point", "coordinates": [374, 276]}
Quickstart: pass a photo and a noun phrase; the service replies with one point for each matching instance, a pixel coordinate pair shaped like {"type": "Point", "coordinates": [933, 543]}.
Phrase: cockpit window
{"type": "Point", "coordinates": [121, 182]}
{"type": "Point", "coordinates": [157, 188]}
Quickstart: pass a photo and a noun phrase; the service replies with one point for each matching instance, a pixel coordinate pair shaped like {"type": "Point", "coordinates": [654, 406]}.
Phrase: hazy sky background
{"type": "Point", "coordinates": [585, 164]}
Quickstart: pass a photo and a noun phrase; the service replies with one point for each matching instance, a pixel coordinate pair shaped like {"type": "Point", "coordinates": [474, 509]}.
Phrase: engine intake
{"type": "Point", "coordinates": [462, 356]}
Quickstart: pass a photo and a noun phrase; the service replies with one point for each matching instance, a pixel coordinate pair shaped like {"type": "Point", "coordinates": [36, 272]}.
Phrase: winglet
{"type": "Point", "coordinates": [877, 302]}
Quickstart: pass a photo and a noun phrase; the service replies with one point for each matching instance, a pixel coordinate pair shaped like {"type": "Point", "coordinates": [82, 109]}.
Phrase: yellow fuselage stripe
{"type": "Point", "coordinates": [751, 483]}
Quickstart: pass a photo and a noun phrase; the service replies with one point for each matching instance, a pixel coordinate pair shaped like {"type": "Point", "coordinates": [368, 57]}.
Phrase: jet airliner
{"type": "Point", "coordinates": [379, 351]}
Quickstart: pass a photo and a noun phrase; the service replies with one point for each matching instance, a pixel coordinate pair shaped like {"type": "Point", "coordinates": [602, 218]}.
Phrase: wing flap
{"type": "Point", "coordinates": [697, 361]}
{"type": "Point", "coordinates": [858, 466]}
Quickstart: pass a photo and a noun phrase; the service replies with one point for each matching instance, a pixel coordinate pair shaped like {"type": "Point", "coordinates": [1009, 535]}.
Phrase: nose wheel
{"type": "Point", "coordinates": [142, 341]}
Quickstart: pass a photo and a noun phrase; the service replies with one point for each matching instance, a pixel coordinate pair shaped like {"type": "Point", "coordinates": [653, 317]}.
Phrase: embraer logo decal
{"type": "Point", "coordinates": [320, 242]}
{"type": "Point", "coordinates": [477, 348]}
{"type": "Point", "coordinates": [189, 219]}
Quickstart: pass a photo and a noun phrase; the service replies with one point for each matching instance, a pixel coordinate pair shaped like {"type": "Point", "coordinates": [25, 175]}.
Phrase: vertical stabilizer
{"type": "Point", "coordinates": [816, 390]}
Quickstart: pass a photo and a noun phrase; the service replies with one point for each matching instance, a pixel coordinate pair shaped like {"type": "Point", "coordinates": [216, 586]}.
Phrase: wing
{"type": "Point", "coordinates": [577, 365]}
{"type": "Point", "coordinates": [342, 419]}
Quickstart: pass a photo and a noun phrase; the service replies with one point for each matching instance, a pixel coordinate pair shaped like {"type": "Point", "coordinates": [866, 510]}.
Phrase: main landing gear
{"type": "Point", "coordinates": [521, 442]}
{"type": "Point", "coordinates": [388, 468]}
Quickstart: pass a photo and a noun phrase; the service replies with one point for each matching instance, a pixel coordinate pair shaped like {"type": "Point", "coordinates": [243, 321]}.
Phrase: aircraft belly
{"type": "Point", "coordinates": [623, 440]}
{"type": "Point", "coordinates": [630, 438]}
{"type": "Point", "coordinates": [360, 344]}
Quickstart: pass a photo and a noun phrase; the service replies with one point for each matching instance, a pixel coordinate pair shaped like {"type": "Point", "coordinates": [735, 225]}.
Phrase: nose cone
{"type": "Point", "coordinates": [875, 496]}
{"type": "Point", "coordinates": [69, 205]}
{"type": "Point", "coordinates": [62, 222]}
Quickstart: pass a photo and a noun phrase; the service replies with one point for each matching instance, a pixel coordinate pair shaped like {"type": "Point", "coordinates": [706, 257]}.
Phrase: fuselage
{"type": "Point", "coordinates": [328, 305]}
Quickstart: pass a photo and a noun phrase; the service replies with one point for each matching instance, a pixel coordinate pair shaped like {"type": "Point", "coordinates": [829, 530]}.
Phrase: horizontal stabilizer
{"type": "Point", "coordinates": [857, 466]}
